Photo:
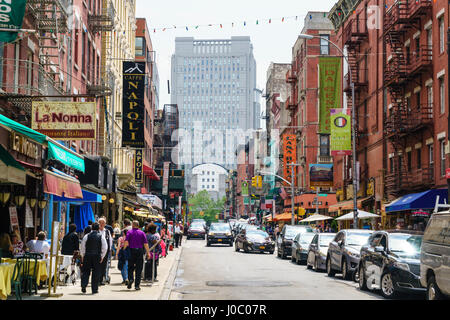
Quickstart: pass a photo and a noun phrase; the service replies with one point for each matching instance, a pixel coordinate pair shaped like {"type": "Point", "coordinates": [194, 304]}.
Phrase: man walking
{"type": "Point", "coordinates": [109, 241]}
{"type": "Point", "coordinates": [177, 231]}
{"type": "Point", "coordinates": [93, 250]}
{"type": "Point", "coordinates": [137, 241]}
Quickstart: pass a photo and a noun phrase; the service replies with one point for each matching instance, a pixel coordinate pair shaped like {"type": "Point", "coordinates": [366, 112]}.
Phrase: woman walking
{"type": "Point", "coordinates": [123, 255]}
{"type": "Point", "coordinates": [153, 238]}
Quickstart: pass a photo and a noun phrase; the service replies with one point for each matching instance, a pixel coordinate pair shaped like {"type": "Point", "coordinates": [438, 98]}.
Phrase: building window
{"type": "Point", "coordinates": [431, 157]}
{"type": "Point", "coordinates": [391, 165]}
{"type": "Point", "coordinates": [442, 156]}
{"type": "Point", "coordinates": [441, 35]}
{"type": "Point", "coordinates": [430, 42]}
{"type": "Point", "coordinates": [442, 95]}
{"type": "Point", "coordinates": [324, 145]}
{"type": "Point", "coordinates": [419, 158]}
{"type": "Point", "coordinates": [140, 46]}
{"type": "Point", "coordinates": [324, 44]}
{"type": "Point", "coordinates": [409, 159]}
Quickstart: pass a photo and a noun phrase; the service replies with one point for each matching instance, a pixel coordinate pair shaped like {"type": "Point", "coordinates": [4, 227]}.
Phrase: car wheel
{"type": "Point", "coordinates": [293, 257]}
{"type": "Point", "coordinates": [236, 247]}
{"type": "Point", "coordinates": [387, 286]}
{"type": "Point", "coordinates": [316, 265]}
{"type": "Point", "coordinates": [246, 249]}
{"type": "Point", "coordinates": [345, 273]}
{"type": "Point", "coordinates": [278, 253]}
{"type": "Point", "coordinates": [231, 243]}
{"type": "Point", "coordinates": [208, 244]}
{"type": "Point", "coordinates": [189, 238]}
{"type": "Point", "coordinates": [330, 270]}
{"type": "Point", "coordinates": [362, 279]}
{"type": "Point", "coordinates": [308, 266]}
{"type": "Point", "coordinates": [433, 292]}
{"type": "Point", "coordinates": [271, 252]}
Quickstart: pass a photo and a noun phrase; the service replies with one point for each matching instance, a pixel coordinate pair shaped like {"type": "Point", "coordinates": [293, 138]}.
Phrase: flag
{"type": "Point", "coordinates": [283, 194]}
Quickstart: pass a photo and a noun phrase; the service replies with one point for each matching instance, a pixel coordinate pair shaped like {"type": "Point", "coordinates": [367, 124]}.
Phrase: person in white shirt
{"type": "Point", "coordinates": [40, 245]}
{"type": "Point", "coordinates": [106, 234]}
{"type": "Point", "coordinates": [177, 234]}
{"type": "Point", "coordinates": [93, 251]}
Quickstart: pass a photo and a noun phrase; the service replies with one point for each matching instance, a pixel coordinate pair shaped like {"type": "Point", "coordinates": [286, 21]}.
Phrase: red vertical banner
{"type": "Point", "coordinates": [289, 156]}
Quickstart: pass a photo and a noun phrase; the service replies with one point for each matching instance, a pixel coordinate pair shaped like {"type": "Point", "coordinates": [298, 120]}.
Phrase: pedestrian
{"type": "Point", "coordinates": [127, 224]}
{"type": "Point", "coordinates": [123, 255]}
{"type": "Point", "coordinates": [71, 241]}
{"type": "Point", "coordinates": [277, 231]}
{"type": "Point", "coordinates": [17, 245]}
{"type": "Point", "coordinates": [177, 232]}
{"type": "Point", "coordinates": [104, 276]}
{"type": "Point", "coordinates": [153, 238]}
{"type": "Point", "coordinates": [6, 245]}
{"type": "Point", "coordinates": [117, 233]}
{"type": "Point", "coordinates": [88, 228]}
{"type": "Point", "coordinates": [93, 251]}
{"type": "Point", "coordinates": [137, 241]}
{"type": "Point", "coordinates": [40, 245]}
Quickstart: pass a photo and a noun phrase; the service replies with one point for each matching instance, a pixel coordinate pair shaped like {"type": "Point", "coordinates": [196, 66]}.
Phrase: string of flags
{"type": "Point", "coordinates": [234, 24]}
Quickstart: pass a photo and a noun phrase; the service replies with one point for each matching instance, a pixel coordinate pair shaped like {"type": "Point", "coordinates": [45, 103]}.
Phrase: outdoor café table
{"type": "Point", "coordinates": [6, 272]}
{"type": "Point", "coordinates": [41, 270]}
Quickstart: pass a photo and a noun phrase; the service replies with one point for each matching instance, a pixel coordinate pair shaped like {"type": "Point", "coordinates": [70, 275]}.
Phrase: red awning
{"type": "Point", "coordinates": [62, 186]}
{"type": "Point", "coordinates": [149, 172]}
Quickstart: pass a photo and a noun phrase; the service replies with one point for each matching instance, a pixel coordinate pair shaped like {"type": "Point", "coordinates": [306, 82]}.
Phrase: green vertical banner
{"type": "Point", "coordinates": [246, 201]}
{"type": "Point", "coordinates": [11, 17]}
{"type": "Point", "coordinates": [341, 132]}
{"type": "Point", "coordinates": [330, 91]}
{"type": "Point", "coordinates": [244, 189]}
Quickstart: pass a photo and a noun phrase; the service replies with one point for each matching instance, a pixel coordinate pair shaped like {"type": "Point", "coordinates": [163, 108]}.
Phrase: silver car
{"type": "Point", "coordinates": [344, 251]}
{"type": "Point", "coordinates": [318, 250]}
{"type": "Point", "coordinates": [300, 247]}
{"type": "Point", "coordinates": [435, 257]}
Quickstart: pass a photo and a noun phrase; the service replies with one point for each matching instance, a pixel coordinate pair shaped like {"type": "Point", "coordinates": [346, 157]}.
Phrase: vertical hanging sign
{"type": "Point", "coordinates": [165, 189]}
{"type": "Point", "coordinates": [11, 17]}
{"type": "Point", "coordinates": [289, 155]}
{"type": "Point", "coordinates": [329, 90]}
{"type": "Point", "coordinates": [341, 132]}
{"type": "Point", "coordinates": [133, 104]}
{"type": "Point", "coordinates": [138, 165]}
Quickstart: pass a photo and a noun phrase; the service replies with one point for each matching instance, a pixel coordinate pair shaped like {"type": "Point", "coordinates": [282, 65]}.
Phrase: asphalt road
{"type": "Point", "coordinates": [220, 273]}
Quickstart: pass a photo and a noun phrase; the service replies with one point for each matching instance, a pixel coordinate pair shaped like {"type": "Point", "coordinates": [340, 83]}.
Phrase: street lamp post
{"type": "Point", "coordinates": [352, 84]}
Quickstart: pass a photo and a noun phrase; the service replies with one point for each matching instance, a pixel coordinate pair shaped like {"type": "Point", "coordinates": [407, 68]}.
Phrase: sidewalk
{"type": "Point", "coordinates": [116, 290]}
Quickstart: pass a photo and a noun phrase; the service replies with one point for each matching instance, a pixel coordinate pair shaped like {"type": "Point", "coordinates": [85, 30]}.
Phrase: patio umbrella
{"type": "Point", "coordinates": [284, 217]}
{"type": "Point", "coordinates": [317, 217]}
{"type": "Point", "coordinates": [361, 215]}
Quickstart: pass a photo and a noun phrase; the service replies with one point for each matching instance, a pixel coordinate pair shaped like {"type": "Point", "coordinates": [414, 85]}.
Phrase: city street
{"type": "Point", "coordinates": [220, 273]}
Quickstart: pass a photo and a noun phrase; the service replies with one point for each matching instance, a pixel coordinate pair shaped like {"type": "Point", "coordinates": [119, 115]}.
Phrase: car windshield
{"type": "Point", "coordinates": [325, 239]}
{"type": "Point", "coordinates": [306, 237]}
{"type": "Point", "coordinates": [259, 233]}
{"type": "Point", "coordinates": [220, 227]}
{"type": "Point", "coordinates": [357, 239]}
{"type": "Point", "coordinates": [197, 226]}
{"type": "Point", "coordinates": [405, 243]}
{"type": "Point", "coordinates": [292, 232]}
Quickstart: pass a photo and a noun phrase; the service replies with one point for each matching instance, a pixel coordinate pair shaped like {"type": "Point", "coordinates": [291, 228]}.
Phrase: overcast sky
{"type": "Point", "coordinates": [271, 42]}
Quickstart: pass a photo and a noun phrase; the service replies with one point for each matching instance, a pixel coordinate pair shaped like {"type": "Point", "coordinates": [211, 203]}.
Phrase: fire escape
{"type": "Point", "coordinates": [403, 67]}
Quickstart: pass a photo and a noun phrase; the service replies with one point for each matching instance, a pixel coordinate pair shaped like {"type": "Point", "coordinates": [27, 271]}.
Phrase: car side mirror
{"type": "Point", "coordinates": [379, 249]}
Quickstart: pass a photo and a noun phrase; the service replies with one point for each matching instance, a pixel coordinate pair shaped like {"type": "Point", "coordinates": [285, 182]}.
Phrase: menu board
{"type": "Point", "coordinates": [55, 233]}
{"type": "Point", "coordinates": [13, 219]}
{"type": "Point", "coordinates": [28, 216]}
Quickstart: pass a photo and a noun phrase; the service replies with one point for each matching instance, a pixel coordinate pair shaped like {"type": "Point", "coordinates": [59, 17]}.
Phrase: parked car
{"type": "Point", "coordinates": [390, 261]}
{"type": "Point", "coordinates": [286, 237]}
{"type": "Point", "coordinates": [219, 233]}
{"type": "Point", "coordinates": [435, 257]}
{"type": "Point", "coordinates": [300, 247]}
{"type": "Point", "coordinates": [318, 249]}
{"type": "Point", "coordinates": [196, 230]}
{"type": "Point", "coordinates": [254, 240]}
{"type": "Point", "coordinates": [344, 251]}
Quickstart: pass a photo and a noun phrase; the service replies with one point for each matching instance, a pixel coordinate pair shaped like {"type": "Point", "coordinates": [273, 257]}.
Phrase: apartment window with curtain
{"type": "Point", "coordinates": [140, 46]}
{"type": "Point", "coordinates": [430, 42]}
{"type": "Point", "coordinates": [442, 95]}
{"type": "Point", "coordinates": [324, 145]}
{"type": "Point", "coordinates": [324, 44]}
{"type": "Point", "coordinates": [431, 156]}
{"type": "Point", "coordinates": [83, 55]}
{"type": "Point", "coordinates": [441, 35]}
{"type": "Point", "coordinates": [442, 156]}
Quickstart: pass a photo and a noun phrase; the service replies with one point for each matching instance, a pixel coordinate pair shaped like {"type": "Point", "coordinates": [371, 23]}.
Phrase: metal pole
{"type": "Point", "coordinates": [153, 265]}
{"type": "Point", "coordinates": [293, 194]}
{"type": "Point", "coordinates": [317, 200]}
{"type": "Point", "coordinates": [355, 158]}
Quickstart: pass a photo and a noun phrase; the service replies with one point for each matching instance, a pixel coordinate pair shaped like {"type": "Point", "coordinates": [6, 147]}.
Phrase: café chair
{"type": "Point", "coordinates": [30, 274]}
{"type": "Point", "coordinates": [16, 280]}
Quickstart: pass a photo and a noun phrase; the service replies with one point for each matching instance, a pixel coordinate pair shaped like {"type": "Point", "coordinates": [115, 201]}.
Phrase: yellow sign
{"type": "Point", "coordinates": [301, 212]}
{"type": "Point", "coordinates": [349, 192]}
{"type": "Point", "coordinates": [371, 188]}
{"type": "Point", "coordinates": [65, 120]}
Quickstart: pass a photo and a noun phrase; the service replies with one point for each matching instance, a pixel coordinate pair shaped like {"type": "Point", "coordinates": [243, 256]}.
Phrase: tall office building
{"type": "Point", "coordinates": [214, 86]}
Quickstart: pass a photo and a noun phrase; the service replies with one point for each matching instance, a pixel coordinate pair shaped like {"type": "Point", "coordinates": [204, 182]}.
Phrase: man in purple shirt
{"type": "Point", "coordinates": [137, 241]}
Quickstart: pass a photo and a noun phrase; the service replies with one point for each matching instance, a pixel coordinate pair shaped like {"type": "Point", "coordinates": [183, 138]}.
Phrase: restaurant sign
{"type": "Point", "coordinates": [11, 18]}
{"type": "Point", "coordinates": [329, 90]}
{"type": "Point", "coordinates": [24, 146]}
{"type": "Point", "coordinates": [289, 155]}
{"type": "Point", "coordinates": [65, 120]}
{"type": "Point", "coordinates": [133, 104]}
{"type": "Point", "coordinates": [138, 166]}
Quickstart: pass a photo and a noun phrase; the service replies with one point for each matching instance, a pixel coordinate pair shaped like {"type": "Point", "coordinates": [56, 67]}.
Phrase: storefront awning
{"type": "Point", "coordinates": [10, 170]}
{"type": "Point", "coordinates": [346, 205]}
{"type": "Point", "coordinates": [417, 201]}
{"type": "Point", "coordinates": [88, 197]}
{"type": "Point", "coordinates": [15, 126]}
{"type": "Point", "coordinates": [59, 185]}
{"type": "Point", "coordinates": [151, 173]}
{"type": "Point", "coordinates": [70, 159]}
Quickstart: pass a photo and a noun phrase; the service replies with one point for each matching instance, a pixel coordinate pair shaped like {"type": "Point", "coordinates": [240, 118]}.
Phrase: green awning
{"type": "Point", "coordinates": [10, 170]}
{"type": "Point", "coordinates": [32, 134]}
{"type": "Point", "coordinates": [68, 158]}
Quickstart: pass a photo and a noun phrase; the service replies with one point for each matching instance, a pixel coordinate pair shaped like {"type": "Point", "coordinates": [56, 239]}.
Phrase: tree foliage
{"type": "Point", "coordinates": [202, 202]}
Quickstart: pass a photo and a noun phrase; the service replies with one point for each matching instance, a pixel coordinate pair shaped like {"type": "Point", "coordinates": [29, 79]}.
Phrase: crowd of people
{"type": "Point", "coordinates": [12, 246]}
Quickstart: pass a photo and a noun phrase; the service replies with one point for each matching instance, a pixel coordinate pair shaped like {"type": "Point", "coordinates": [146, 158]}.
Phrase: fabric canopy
{"type": "Point", "coordinates": [10, 170]}
{"type": "Point", "coordinates": [151, 173]}
{"type": "Point", "coordinates": [361, 215]}
{"type": "Point", "coordinates": [284, 216]}
{"type": "Point", "coordinates": [317, 217]}
{"type": "Point", "coordinates": [70, 159]}
{"type": "Point", "coordinates": [417, 201]}
{"type": "Point", "coordinates": [83, 214]}
{"type": "Point", "coordinates": [30, 133]}
{"type": "Point", "coordinates": [346, 205]}
{"type": "Point", "coordinates": [87, 197]}
{"type": "Point", "coordinates": [58, 185]}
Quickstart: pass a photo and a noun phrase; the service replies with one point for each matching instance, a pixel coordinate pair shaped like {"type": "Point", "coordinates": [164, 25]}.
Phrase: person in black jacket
{"type": "Point", "coordinates": [71, 241]}
{"type": "Point", "coordinates": [93, 251]}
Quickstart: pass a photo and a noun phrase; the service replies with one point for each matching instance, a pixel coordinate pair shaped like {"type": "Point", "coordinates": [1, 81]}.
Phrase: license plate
{"type": "Point", "coordinates": [220, 240]}
{"type": "Point", "coordinates": [195, 234]}
{"type": "Point", "coordinates": [262, 247]}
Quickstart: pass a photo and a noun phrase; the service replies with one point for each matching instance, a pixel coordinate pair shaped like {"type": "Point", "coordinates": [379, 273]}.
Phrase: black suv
{"type": "Point", "coordinates": [390, 261]}
{"type": "Point", "coordinates": [286, 238]}
{"type": "Point", "coordinates": [219, 233]}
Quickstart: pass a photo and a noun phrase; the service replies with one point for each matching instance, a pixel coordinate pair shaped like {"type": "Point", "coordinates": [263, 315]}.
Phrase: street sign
{"type": "Point", "coordinates": [317, 203]}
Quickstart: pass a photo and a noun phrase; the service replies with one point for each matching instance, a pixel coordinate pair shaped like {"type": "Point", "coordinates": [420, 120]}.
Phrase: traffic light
{"type": "Point", "coordinates": [255, 182]}
{"type": "Point", "coordinates": [260, 180]}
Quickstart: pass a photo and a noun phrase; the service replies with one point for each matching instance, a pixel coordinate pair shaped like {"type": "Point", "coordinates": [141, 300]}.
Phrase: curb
{"type": "Point", "coordinates": [167, 288]}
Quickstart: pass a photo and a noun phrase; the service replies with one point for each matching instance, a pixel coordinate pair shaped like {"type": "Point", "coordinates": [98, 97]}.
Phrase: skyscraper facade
{"type": "Point", "coordinates": [214, 86]}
